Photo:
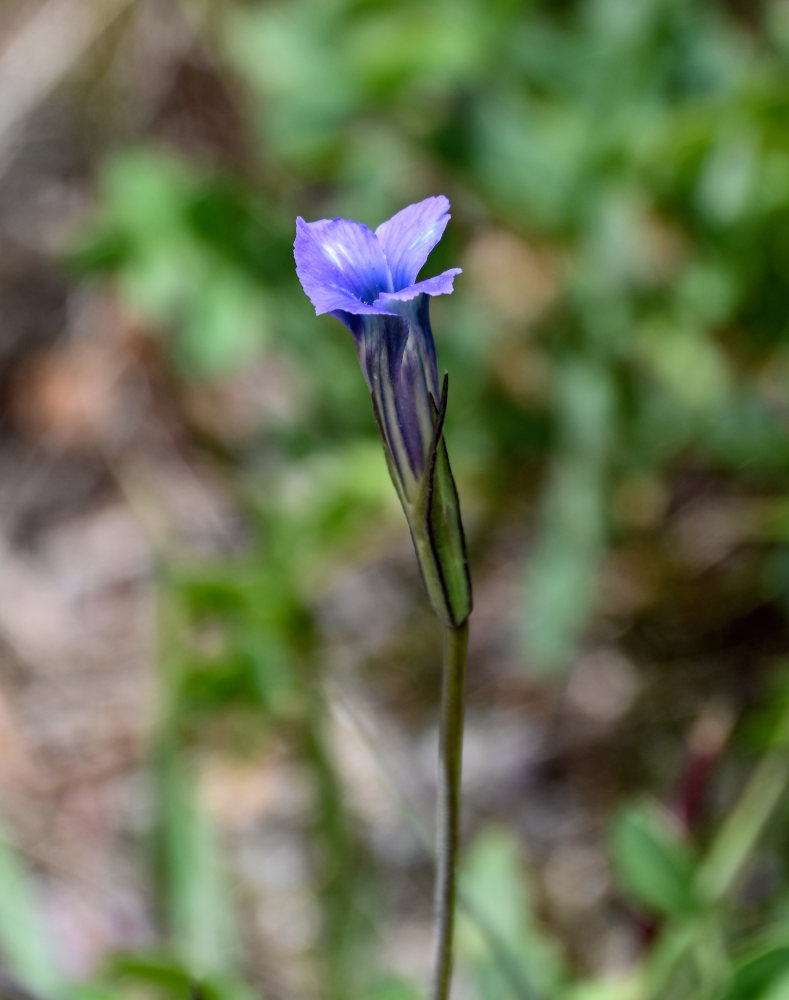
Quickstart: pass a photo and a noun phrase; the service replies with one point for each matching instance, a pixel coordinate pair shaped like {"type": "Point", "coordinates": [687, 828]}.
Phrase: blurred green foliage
{"type": "Point", "coordinates": [653, 863]}
{"type": "Point", "coordinates": [619, 174]}
{"type": "Point", "coordinates": [634, 155]}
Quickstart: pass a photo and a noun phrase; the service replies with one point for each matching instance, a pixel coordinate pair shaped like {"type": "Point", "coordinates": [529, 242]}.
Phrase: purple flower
{"type": "Point", "coordinates": [345, 267]}
{"type": "Point", "coordinates": [368, 281]}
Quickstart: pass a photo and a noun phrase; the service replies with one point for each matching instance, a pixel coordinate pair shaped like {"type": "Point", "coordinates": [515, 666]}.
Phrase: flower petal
{"type": "Point", "coordinates": [440, 285]}
{"type": "Point", "coordinates": [340, 265]}
{"type": "Point", "coordinates": [409, 236]}
{"type": "Point", "coordinates": [336, 300]}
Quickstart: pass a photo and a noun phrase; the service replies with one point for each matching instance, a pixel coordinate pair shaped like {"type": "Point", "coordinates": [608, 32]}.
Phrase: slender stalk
{"type": "Point", "coordinates": [448, 827]}
{"type": "Point", "coordinates": [520, 986]}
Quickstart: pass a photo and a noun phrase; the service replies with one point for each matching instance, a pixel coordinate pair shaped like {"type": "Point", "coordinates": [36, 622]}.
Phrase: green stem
{"type": "Point", "coordinates": [450, 760]}
{"type": "Point", "coordinates": [507, 960]}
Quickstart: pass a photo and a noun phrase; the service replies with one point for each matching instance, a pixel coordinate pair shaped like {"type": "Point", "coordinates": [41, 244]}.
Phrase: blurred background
{"type": "Point", "coordinates": [218, 676]}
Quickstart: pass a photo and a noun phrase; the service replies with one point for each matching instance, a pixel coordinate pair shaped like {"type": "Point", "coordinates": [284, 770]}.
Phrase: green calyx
{"type": "Point", "coordinates": [433, 515]}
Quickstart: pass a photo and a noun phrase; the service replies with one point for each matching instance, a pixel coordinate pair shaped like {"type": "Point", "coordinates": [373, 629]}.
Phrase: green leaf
{"type": "Point", "coordinates": [225, 324]}
{"type": "Point", "coordinates": [497, 930]}
{"type": "Point", "coordinates": [196, 897]}
{"type": "Point", "coordinates": [651, 863]}
{"type": "Point", "coordinates": [604, 989]}
{"type": "Point", "coordinates": [170, 977]}
{"type": "Point", "coordinates": [394, 989]}
{"type": "Point", "coordinates": [761, 973]}
{"type": "Point", "coordinates": [561, 576]}
{"type": "Point", "coordinates": [23, 939]}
